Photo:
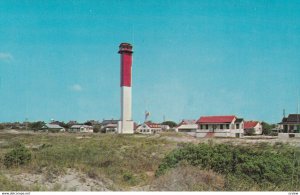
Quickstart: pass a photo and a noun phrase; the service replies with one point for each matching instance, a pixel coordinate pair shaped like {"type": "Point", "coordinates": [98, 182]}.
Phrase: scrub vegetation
{"type": "Point", "coordinates": [257, 167]}
{"type": "Point", "coordinates": [139, 162]}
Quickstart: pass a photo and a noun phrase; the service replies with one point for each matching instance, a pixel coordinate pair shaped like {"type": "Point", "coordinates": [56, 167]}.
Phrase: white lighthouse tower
{"type": "Point", "coordinates": [125, 125]}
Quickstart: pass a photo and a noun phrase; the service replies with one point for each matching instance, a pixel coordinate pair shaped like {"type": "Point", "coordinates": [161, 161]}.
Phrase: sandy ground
{"type": "Point", "coordinates": [70, 181]}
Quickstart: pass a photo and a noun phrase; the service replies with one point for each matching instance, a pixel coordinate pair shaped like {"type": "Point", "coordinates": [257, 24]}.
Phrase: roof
{"type": "Point", "coordinates": [111, 125]}
{"type": "Point", "coordinates": [52, 126]}
{"type": "Point", "coordinates": [79, 126]}
{"type": "Point", "coordinates": [239, 120]}
{"type": "Point", "coordinates": [216, 119]}
{"type": "Point", "coordinates": [187, 122]}
{"type": "Point", "coordinates": [250, 124]}
{"type": "Point", "coordinates": [112, 121]}
{"type": "Point", "coordinates": [153, 125]}
{"type": "Point", "coordinates": [292, 118]}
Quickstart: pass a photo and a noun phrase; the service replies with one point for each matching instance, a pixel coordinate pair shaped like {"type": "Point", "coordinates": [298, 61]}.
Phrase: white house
{"type": "Point", "coordinates": [291, 126]}
{"type": "Point", "coordinates": [187, 126]}
{"type": "Point", "coordinates": [220, 126]}
{"type": "Point", "coordinates": [53, 128]}
{"type": "Point", "coordinates": [148, 128]}
{"type": "Point", "coordinates": [109, 126]}
{"type": "Point", "coordinates": [252, 127]}
{"type": "Point", "coordinates": [81, 129]}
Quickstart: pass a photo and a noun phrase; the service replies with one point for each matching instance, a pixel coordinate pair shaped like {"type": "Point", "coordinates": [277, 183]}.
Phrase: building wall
{"type": "Point", "coordinates": [184, 128]}
{"type": "Point", "coordinates": [290, 128]}
{"type": "Point", "coordinates": [82, 129]}
{"type": "Point", "coordinates": [258, 129]}
{"type": "Point", "coordinates": [147, 130]}
{"type": "Point", "coordinates": [229, 130]}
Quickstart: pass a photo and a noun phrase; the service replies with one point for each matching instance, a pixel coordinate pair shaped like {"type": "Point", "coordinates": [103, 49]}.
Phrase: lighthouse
{"type": "Point", "coordinates": [125, 125]}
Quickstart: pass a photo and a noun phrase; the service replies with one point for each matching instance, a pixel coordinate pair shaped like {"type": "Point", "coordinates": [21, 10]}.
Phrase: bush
{"type": "Point", "coordinates": [2, 127]}
{"type": "Point", "coordinates": [260, 163]}
{"type": "Point", "coordinates": [250, 131]}
{"type": "Point", "coordinates": [19, 155]}
{"type": "Point", "coordinates": [128, 177]}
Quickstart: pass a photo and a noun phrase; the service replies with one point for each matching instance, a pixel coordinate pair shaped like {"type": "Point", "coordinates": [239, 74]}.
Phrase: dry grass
{"type": "Point", "coordinates": [123, 159]}
{"type": "Point", "coordinates": [121, 162]}
{"type": "Point", "coordinates": [188, 178]}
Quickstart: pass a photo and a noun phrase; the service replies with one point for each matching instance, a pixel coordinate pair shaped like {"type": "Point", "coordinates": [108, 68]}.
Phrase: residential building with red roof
{"type": "Point", "coordinates": [187, 126]}
{"type": "Point", "coordinates": [220, 126]}
{"type": "Point", "coordinates": [252, 128]}
{"type": "Point", "coordinates": [149, 128]}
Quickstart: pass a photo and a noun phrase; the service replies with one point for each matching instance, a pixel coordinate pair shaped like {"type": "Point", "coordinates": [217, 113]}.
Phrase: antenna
{"type": "Point", "coordinates": [283, 113]}
{"type": "Point", "coordinates": [132, 34]}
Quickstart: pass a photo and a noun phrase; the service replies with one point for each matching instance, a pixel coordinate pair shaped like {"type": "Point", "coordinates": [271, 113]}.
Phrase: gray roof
{"type": "Point", "coordinates": [52, 126]}
{"type": "Point", "coordinates": [106, 122]}
{"type": "Point", "coordinates": [292, 118]}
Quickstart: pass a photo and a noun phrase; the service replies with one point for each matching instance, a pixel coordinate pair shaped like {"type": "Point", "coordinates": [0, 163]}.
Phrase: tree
{"type": "Point", "coordinates": [36, 125]}
{"type": "Point", "coordinates": [250, 131]}
{"type": "Point", "coordinates": [171, 124]}
{"type": "Point", "coordinates": [64, 125]}
{"type": "Point", "coordinates": [266, 128]}
{"type": "Point", "coordinates": [89, 123]}
{"type": "Point", "coordinates": [96, 128]}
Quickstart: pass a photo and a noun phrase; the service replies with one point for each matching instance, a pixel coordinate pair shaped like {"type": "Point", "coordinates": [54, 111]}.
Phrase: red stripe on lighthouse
{"type": "Point", "coordinates": [126, 61]}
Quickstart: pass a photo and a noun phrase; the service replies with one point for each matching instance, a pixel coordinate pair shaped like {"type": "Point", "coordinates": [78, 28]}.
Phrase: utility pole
{"type": "Point", "coordinates": [26, 124]}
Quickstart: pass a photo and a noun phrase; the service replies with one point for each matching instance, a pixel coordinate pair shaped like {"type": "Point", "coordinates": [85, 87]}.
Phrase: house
{"type": "Point", "coordinates": [252, 128]}
{"type": "Point", "coordinates": [220, 126]}
{"type": "Point", "coordinates": [109, 126]}
{"type": "Point", "coordinates": [291, 124]}
{"type": "Point", "coordinates": [81, 129]}
{"type": "Point", "coordinates": [165, 127]}
{"type": "Point", "coordinates": [187, 126]}
{"type": "Point", "coordinates": [53, 128]}
{"type": "Point", "coordinates": [149, 128]}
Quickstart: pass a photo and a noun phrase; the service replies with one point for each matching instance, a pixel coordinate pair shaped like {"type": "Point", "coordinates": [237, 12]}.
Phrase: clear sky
{"type": "Point", "coordinates": [59, 60]}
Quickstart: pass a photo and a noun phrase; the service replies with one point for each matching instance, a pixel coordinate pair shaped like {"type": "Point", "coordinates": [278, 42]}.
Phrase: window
{"type": "Point", "coordinates": [221, 127]}
{"type": "Point", "coordinates": [237, 126]}
{"type": "Point", "coordinates": [227, 126]}
{"type": "Point", "coordinates": [206, 126]}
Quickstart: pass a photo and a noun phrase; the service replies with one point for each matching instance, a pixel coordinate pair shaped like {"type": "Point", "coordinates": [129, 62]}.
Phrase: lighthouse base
{"type": "Point", "coordinates": [125, 127]}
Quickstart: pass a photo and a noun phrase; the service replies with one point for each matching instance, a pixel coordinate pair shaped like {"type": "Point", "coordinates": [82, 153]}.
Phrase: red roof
{"type": "Point", "coordinates": [153, 125]}
{"type": "Point", "coordinates": [250, 124]}
{"type": "Point", "coordinates": [216, 119]}
{"type": "Point", "coordinates": [187, 122]}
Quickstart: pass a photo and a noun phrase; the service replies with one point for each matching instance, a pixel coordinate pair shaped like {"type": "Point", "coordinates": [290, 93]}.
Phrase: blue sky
{"type": "Point", "coordinates": [58, 59]}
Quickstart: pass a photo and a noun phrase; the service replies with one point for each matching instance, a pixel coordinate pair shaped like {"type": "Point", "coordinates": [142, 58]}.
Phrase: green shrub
{"type": "Point", "coordinates": [129, 178]}
{"type": "Point", "coordinates": [19, 155]}
{"type": "Point", "coordinates": [260, 163]}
